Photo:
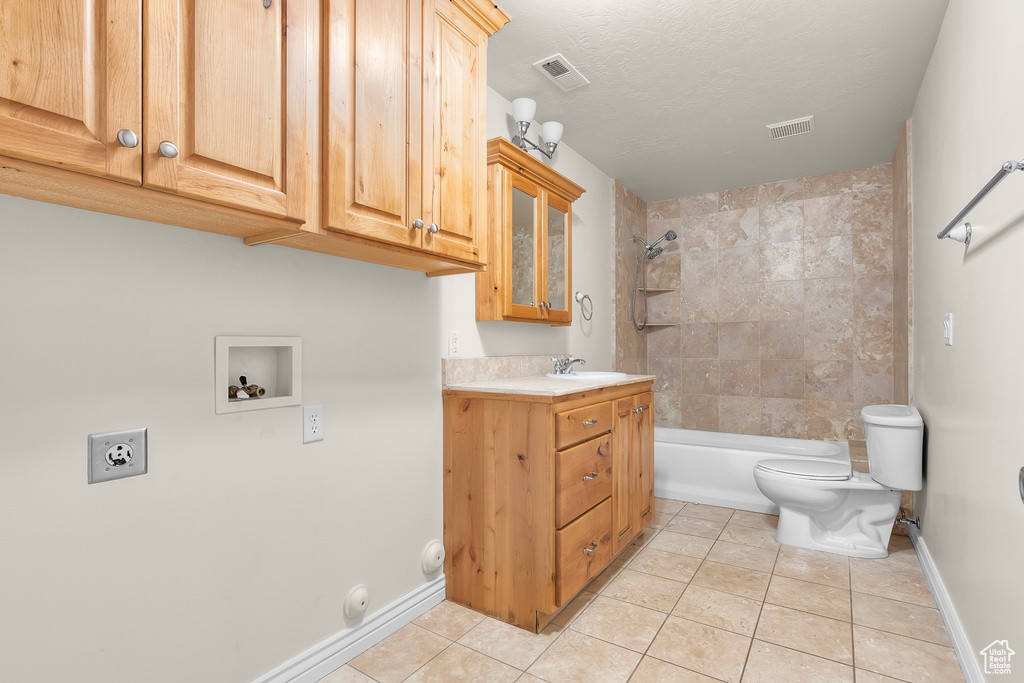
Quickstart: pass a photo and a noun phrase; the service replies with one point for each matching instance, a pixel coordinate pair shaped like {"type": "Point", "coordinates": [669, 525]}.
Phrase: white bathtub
{"type": "Point", "coordinates": [717, 468]}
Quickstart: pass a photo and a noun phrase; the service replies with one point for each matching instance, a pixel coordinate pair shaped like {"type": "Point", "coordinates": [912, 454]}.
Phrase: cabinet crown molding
{"type": "Point", "coordinates": [484, 14]}
{"type": "Point", "coordinates": [502, 151]}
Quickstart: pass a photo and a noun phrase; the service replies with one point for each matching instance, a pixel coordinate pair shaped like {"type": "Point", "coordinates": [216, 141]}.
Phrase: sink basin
{"type": "Point", "coordinates": [592, 376]}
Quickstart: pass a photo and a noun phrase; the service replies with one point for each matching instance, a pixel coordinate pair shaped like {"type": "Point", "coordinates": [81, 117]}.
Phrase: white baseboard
{"type": "Point", "coordinates": [962, 649]}
{"type": "Point", "coordinates": [331, 654]}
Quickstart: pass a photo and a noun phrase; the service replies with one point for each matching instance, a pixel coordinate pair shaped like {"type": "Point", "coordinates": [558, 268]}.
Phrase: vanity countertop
{"type": "Point", "coordinates": [540, 385]}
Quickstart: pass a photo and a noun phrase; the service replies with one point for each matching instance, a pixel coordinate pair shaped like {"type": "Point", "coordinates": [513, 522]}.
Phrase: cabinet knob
{"type": "Point", "coordinates": [167, 149]}
{"type": "Point", "coordinates": [433, 229]}
{"type": "Point", "coordinates": [592, 548]}
{"type": "Point", "coordinates": [127, 138]}
{"type": "Point", "coordinates": [638, 411]}
{"type": "Point", "coordinates": [590, 477]}
{"type": "Point", "coordinates": [418, 224]}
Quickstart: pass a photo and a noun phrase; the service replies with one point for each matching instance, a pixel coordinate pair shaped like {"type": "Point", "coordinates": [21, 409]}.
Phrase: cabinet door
{"type": "Point", "coordinates": [373, 99]}
{"type": "Point", "coordinates": [645, 459]}
{"type": "Point", "coordinates": [624, 473]}
{"type": "Point", "coordinates": [556, 259]}
{"type": "Point", "coordinates": [70, 78]}
{"type": "Point", "coordinates": [225, 85]}
{"type": "Point", "coordinates": [455, 112]}
{"type": "Point", "coordinates": [522, 250]}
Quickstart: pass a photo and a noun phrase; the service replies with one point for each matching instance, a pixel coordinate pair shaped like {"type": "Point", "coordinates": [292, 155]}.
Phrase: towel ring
{"type": "Point", "coordinates": [580, 298]}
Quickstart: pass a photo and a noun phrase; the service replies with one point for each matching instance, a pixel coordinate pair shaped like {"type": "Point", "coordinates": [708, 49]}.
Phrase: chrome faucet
{"type": "Point", "coordinates": [563, 366]}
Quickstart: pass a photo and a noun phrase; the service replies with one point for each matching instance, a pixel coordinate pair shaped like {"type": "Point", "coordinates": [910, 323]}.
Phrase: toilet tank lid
{"type": "Point", "coordinates": [808, 469]}
{"type": "Point", "coordinates": [892, 415]}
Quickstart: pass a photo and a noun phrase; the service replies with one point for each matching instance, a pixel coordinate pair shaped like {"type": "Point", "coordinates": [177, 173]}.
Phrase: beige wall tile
{"type": "Point", "coordinates": [781, 222]}
{"type": "Point", "coordinates": [739, 265]}
{"type": "Point", "coordinates": [740, 198]}
{"type": "Point", "coordinates": [828, 257]}
{"type": "Point", "coordinates": [783, 417]}
{"type": "Point", "coordinates": [738, 302]}
{"type": "Point", "coordinates": [828, 339]}
{"type": "Point", "coordinates": [872, 382]}
{"type": "Point", "coordinates": [668, 410]}
{"type": "Point", "coordinates": [828, 298]}
{"type": "Point", "coordinates": [782, 379]}
{"type": "Point", "coordinates": [872, 297]}
{"type": "Point", "coordinates": [782, 300]}
{"type": "Point", "coordinates": [738, 228]}
{"type": "Point", "coordinates": [873, 339]}
{"type": "Point", "coordinates": [699, 268]}
{"type": "Point", "coordinates": [782, 339]}
{"type": "Point", "coordinates": [697, 340]}
{"type": "Point", "coordinates": [782, 261]}
{"type": "Point", "coordinates": [739, 341]}
{"type": "Point", "coordinates": [663, 272]}
{"type": "Point", "coordinates": [699, 304]}
{"type": "Point", "coordinates": [829, 184]}
{"type": "Point", "coordinates": [661, 308]}
{"type": "Point", "coordinates": [698, 233]}
{"type": "Point", "coordinates": [830, 380]}
{"type": "Point", "coordinates": [832, 420]}
{"type": "Point", "coordinates": [872, 254]}
{"type": "Point", "coordinates": [699, 376]}
{"type": "Point", "coordinates": [699, 412]}
{"type": "Point", "coordinates": [828, 215]}
{"type": "Point", "coordinates": [698, 205]}
{"type": "Point", "coordinates": [783, 191]}
{"type": "Point", "coordinates": [739, 378]}
{"type": "Point", "coordinates": [739, 414]}
{"type": "Point", "coordinates": [663, 342]}
{"type": "Point", "coordinates": [657, 211]}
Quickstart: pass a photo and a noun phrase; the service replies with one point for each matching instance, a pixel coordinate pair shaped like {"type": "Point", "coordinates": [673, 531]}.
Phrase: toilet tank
{"type": "Point", "coordinates": [894, 436]}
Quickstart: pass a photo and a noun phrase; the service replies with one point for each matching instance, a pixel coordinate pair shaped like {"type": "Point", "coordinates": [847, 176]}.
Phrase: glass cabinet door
{"type": "Point", "coordinates": [523, 248]}
{"type": "Point", "coordinates": [557, 246]}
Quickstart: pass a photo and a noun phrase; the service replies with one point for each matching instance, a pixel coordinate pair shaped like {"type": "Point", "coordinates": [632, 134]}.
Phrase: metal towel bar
{"type": "Point", "coordinates": [1007, 168]}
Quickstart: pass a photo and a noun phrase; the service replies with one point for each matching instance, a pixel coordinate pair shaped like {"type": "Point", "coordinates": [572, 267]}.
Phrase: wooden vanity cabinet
{"type": "Point", "coordinates": [529, 239]}
{"type": "Point", "coordinates": [531, 493]}
{"type": "Point", "coordinates": [633, 475]}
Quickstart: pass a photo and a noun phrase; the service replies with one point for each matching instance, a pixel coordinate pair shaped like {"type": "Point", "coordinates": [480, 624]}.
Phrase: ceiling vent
{"type": "Point", "coordinates": [788, 129]}
{"type": "Point", "coordinates": [561, 72]}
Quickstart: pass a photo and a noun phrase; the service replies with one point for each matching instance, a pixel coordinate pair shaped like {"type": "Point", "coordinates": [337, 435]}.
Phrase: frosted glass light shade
{"type": "Point", "coordinates": [552, 132]}
{"type": "Point", "coordinates": [523, 109]}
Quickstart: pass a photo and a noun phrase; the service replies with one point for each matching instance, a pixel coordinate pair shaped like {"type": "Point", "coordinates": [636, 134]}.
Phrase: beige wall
{"type": "Point", "coordinates": [630, 215]}
{"type": "Point", "coordinates": [235, 552]}
{"type": "Point", "coordinates": [780, 310]}
{"type": "Point", "coordinates": [967, 122]}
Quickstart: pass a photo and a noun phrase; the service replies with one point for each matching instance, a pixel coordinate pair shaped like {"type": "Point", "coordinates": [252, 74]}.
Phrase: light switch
{"type": "Point", "coordinates": [947, 329]}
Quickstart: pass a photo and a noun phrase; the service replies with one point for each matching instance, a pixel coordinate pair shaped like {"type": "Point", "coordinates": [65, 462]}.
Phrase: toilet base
{"type": "Point", "coordinates": [855, 530]}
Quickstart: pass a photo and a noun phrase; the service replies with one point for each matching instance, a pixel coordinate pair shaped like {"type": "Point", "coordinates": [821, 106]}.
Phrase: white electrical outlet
{"type": "Point", "coordinates": [313, 423]}
{"type": "Point", "coordinates": [454, 346]}
{"type": "Point", "coordinates": [115, 455]}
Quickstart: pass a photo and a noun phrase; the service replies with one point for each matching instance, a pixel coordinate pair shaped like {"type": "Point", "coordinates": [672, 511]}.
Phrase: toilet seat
{"type": "Point", "coordinates": [817, 470]}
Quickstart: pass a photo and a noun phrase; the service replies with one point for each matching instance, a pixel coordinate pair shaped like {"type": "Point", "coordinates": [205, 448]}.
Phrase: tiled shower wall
{"type": "Point", "coordinates": [630, 219]}
{"type": "Point", "coordinates": [779, 309]}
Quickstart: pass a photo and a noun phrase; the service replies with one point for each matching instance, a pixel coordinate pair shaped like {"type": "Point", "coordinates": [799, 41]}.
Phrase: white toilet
{"type": "Point", "coordinates": [826, 506]}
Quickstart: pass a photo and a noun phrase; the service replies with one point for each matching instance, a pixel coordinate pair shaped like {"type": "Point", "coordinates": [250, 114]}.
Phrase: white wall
{"type": "Point", "coordinates": [592, 274]}
{"type": "Point", "coordinates": [967, 122]}
{"type": "Point", "coordinates": [235, 552]}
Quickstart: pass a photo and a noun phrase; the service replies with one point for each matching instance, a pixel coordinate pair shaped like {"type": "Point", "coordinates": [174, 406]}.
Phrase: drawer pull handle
{"type": "Point", "coordinates": [592, 548]}
{"type": "Point", "coordinates": [588, 477]}
{"type": "Point", "coordinates": [638, 411]}
{"type": "Point", "coordinates": [587, 423]}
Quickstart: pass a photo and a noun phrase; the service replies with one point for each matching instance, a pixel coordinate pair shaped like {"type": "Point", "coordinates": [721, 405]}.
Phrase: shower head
{"type": "Point", "coordinates": [670, 236]}
{"type": "Point", "coordinates": [654, 253]}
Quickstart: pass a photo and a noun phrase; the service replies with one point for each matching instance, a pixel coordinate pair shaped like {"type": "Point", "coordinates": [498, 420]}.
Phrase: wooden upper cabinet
{"type": "Point", "coordinates": [226, 87]}
{"type": "Point", "coordinates": [70, 79]}
{"type": "Point", "coordinates": [372, 154]}
{"type": "Point", "coordinates": [455, 114]}
{"type": "Point", "coordinates": [528, 239]}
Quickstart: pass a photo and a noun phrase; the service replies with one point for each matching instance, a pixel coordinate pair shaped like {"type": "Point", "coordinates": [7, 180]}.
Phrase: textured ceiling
{"type": "Point", "coordinates": [681, 90]}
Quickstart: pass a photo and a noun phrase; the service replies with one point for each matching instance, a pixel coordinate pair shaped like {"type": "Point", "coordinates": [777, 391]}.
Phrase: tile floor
{"type": "Point", "coordinates": [704, 595]}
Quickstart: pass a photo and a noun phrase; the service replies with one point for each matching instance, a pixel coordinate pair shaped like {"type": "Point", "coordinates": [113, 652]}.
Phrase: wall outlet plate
{"type": "Point", "coordinates": [313, 423]}
{"type": "Point", "coordinates": [116, 455]}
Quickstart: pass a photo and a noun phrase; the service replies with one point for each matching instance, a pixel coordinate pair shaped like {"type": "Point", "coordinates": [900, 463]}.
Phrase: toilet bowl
{"type": "Point", "coordinates": [826, 506]}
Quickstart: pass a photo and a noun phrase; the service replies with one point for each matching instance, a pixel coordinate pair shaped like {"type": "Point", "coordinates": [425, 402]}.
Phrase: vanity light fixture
{"type": "Point", "coordinates": [523, 110]}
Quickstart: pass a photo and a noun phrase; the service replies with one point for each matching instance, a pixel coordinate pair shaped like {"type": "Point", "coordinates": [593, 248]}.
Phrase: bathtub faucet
{"type": "Point", "coordinates": [564, 366]}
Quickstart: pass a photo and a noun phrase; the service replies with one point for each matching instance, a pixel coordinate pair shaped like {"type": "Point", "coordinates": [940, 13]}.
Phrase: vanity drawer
{"type": "Point", "coordinates": [583, 548]}
{"type": "Point", "coordinates": [583, 476]}
{"type": "Point", "coordinates": [574, 426]}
